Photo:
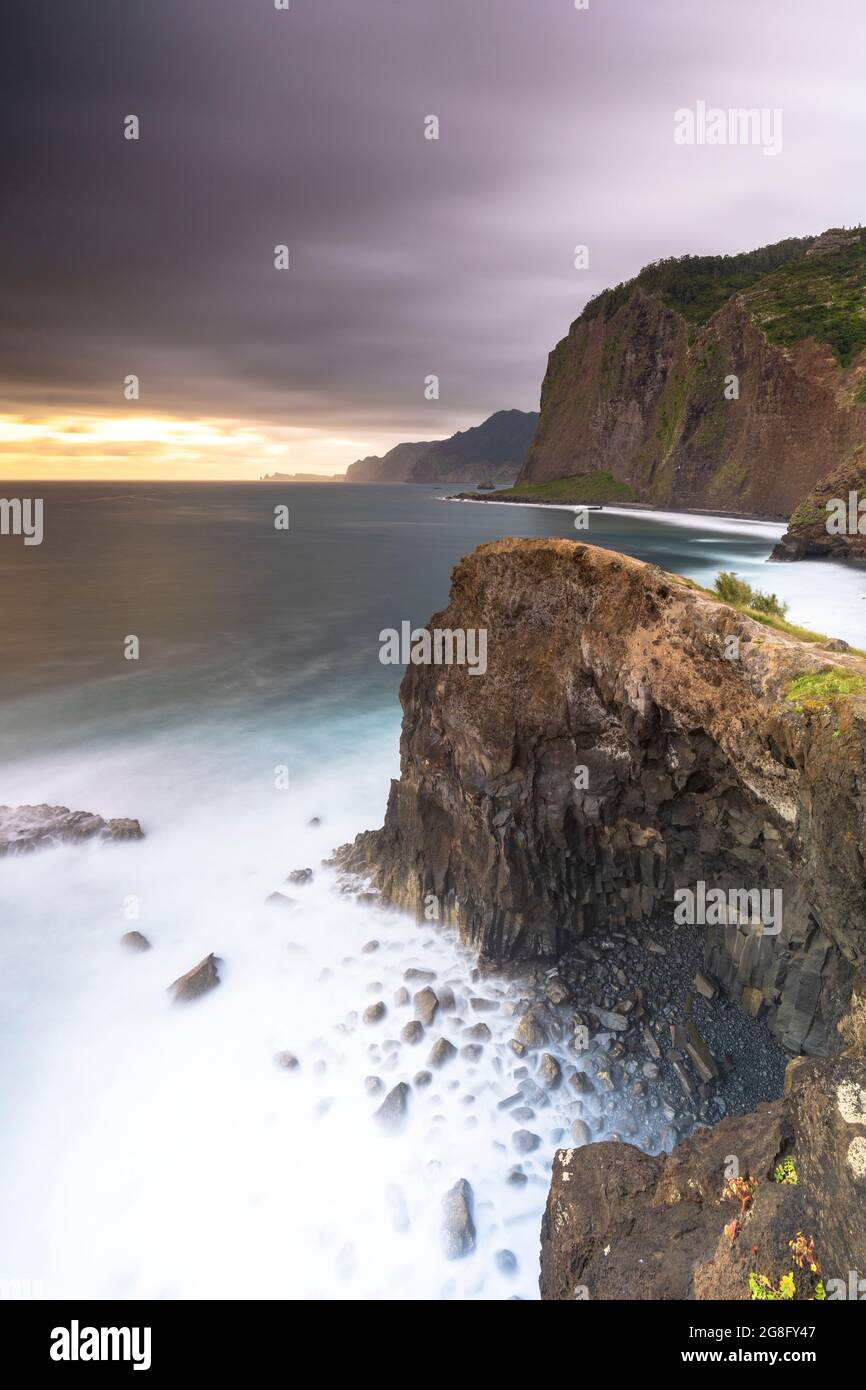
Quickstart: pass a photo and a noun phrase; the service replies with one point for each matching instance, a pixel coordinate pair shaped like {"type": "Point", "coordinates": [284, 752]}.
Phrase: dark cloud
{"type": "Point", "coordinates": [408, 257]}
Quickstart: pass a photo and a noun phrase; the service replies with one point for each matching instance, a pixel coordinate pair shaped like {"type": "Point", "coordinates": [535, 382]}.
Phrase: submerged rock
{"type": "Point", "coordinates": [135, 941]}
{"type": "Point", "coordinates": [287, 1060]}
{"type": "Point", "coordinates": [426, 1005]}
{"type": "Point", "coordinates": [393, 1113]}
{"type": "Point", "coordinates": [458, 1227]}
{"type": "Point", "coordinates": [441, 1052]}
{"type": "Point", "coordinates": [25, 828]}
{"type": "Point", "coordinates": [202, 978]}
{"type": "Point", "coordinates": [300, 876]}
{"type": "Point", "coordinates": [281, 900]}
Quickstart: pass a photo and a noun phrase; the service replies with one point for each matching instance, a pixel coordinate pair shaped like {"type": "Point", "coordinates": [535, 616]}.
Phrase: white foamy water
{"type": "Point", "coordinates": [156, 1150]}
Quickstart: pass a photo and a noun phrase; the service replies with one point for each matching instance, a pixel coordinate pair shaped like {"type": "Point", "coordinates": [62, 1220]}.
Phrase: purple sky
{"type": "Point", "coordinates": [409, 256]}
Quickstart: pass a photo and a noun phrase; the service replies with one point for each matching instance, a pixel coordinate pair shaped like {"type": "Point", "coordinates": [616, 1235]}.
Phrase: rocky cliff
{"type": "Point", "coordinates": [727, 383]}
{"type": "Point", "coordinates": [492, 451]}
{"type": "Point", "coordinates": [632, 737]}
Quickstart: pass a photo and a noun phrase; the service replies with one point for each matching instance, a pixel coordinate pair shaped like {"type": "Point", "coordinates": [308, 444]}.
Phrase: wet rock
{"type": "Point", "coordinates": [202, 978]}
{"type": "Point", "coordinates": [369, 947]}
{"type": "Point", "coordinates": [483, 1006]}
{"type": "Point", "coordinates": [581, 1133]}
{"type": "Point", "coordinates": [416, 973]}
{"type": "Point", "coordinates": [705, 985]}
{"type": "Point", "coordinates": [401, 997]}
{"type": "Point", "coordinates": [613, 1022]}
{"type": "Point", "coordinates": [650, 1043]}
{"type": "Point", "coordinates": [25, 828]}
{"type": "Point", "coordinates": [397, 1209]}
{"type": "Point", "coordinates": [506, 1262]}
{"type": "Point", "coordinates": [422, 1079]}
{"type": "Point", "coordinates": [551, 1071]}
{"type": "Point", "coordinates": [458, 1228]}
{"type": "Point", "coordinates": [447, 1002]}
{"type": "Point", "coordinates": [374, 1013]}
{"type": "Point", "coordinates": [300, 876]}
{"type": "Point", "coordinates": [580, 1082]}
{"type": "Point", "coordinates": [532, 1094]}
{"type": "Point", "coordinates": [702, 1059]}
{"type": "Point", "coordinates": [441, 1053]}
{"type": "Point", "coordinates": [426, 1005]}
{"type": "Point", "coordinates": [287, 1060]}
{"type": "Point", "coordinates": [524, 1141]}
{"type": "Point", "coordinates": [135, 941]}
{"type": "Point", "coordinates": [281, 900]}
{"type": "Point", "coordinates": [412, 1032]}
{"type": "Point", "coordinates": [393, 1113]}
{"type": "Point", "coordinates": [472, 1052]}
{"type": "Point", "coordinates": [556, 991]}
{"type": "Point", "coordinates": [516, 1178]}
{"type": "Point", "coordinates": [507, 1101]}
{"type": "Point", "coordinates": [373, 1085]}
{"type": "Point", "coordinates": [313, 822]}
{"type": "Point", "coordinates": [479, 1032]}
{"type": "Point", "coordinates": [523, 1114]}
{"type": "Point", "coordinates": [529, 1031]}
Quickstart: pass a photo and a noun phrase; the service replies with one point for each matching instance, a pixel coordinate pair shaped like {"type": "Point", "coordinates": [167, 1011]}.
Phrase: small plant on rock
{"type": "Point", "coordinates": [803, 1249]}
{"type": "Point", "coordinates": [740, 1190]}
{"type": "Point", "coordinates": [761, 1287]}
{"type": "Point", "coordinates": [786, 1171]}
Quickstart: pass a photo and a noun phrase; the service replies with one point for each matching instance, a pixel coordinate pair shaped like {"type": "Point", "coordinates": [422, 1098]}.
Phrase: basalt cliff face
{"type": "Point", "coordinates": [631, 737]}
{"type": "Point", "coordinates": [726, 383]}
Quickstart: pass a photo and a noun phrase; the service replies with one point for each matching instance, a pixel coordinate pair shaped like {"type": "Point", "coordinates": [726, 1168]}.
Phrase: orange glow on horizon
{"type": "Point", "coordinates": [130, 446]}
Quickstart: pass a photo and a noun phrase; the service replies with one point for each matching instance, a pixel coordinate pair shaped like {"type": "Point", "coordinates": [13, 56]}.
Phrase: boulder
{"type": "Point", "coordinates": [426, 1005]}
{"type": "Point", "coordinates": [458, 1228]}
{"type": "Point", "coordinates": [200, 980]}
{"type": "Point", "coordinates": [393, 1113]}
{"type": "Point", "coordinates": [135, 941]}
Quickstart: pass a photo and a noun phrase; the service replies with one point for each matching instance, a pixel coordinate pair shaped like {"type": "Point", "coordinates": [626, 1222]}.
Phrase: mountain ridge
{"type": "Point", "coordinates": [493, 451]}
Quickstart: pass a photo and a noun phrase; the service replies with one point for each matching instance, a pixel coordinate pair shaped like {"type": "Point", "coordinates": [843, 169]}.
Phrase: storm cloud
{"type": "Point", "coordinates": [409, 256]}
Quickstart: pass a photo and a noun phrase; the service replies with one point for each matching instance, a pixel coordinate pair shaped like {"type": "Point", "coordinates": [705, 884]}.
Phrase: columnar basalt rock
{"type": "Point", "coordinates": [620, 747]}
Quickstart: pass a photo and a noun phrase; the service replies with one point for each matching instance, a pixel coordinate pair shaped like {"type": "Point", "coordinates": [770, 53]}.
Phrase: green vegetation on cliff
{"type": "Point", "coordinates": [696, 286]}
{"type": "Point", "coordinates": [577, 489]}
{"type": "Point", "coordinates": [821, 296]}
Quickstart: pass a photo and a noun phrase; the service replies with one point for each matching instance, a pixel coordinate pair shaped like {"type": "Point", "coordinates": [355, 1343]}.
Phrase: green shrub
{"type": "Point", "coordinates": [731, 589]}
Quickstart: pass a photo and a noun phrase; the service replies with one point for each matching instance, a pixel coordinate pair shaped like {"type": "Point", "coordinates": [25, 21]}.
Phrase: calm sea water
{"type": "Point", "coordinates": [154, 1151]}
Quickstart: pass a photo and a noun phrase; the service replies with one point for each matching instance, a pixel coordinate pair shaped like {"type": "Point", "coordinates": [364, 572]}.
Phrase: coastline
{"type": "Point", "coordinates": [687, 516]}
